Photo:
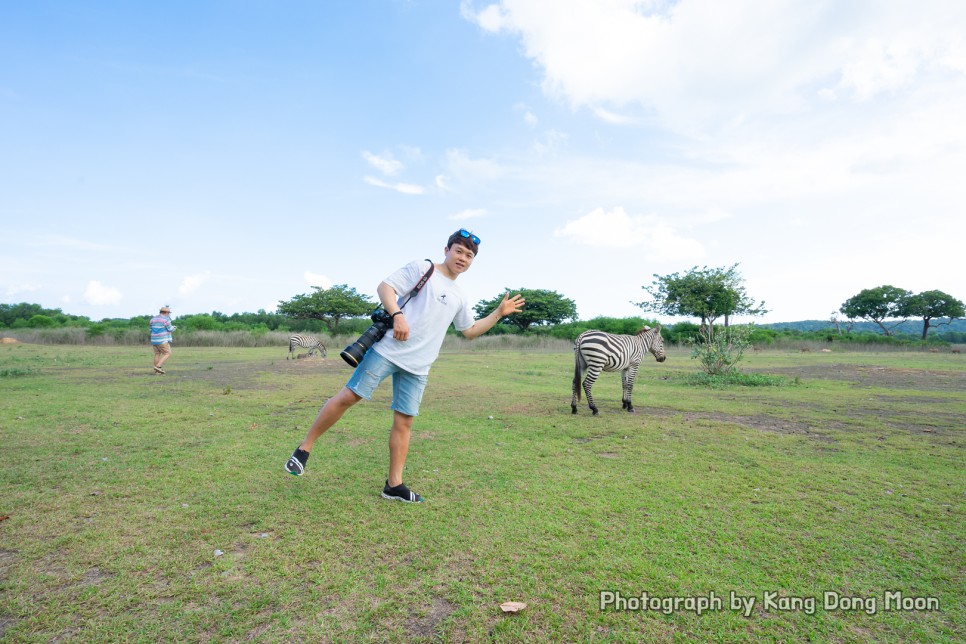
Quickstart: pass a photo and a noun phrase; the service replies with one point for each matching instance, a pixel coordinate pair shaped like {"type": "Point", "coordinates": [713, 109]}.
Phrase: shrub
{"type": "Point", "coordinates": [681, 333]}
{"type": "Point", "coordinates": [734, 378]}
{"type": "Point", "coordinates": [201, 322]}
{"type": "Point", "coordinates": [96, 330]}
{"type": "Point", "coordinates": [719, 351]}
{"type": "Point", "coordinates": [762, 337]}
{"type": "Point", "coordinates": [41, 322]}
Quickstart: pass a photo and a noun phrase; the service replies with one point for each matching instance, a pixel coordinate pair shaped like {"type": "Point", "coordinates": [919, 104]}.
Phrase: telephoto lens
{"type": "Point", "coordinates": [353, 354]}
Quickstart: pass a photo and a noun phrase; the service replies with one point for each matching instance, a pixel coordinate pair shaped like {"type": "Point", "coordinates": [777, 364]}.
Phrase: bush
{"type": "Point", "coordinates": [719, 351]}
{"type": "Point", "coordinates": [41, 322]}
{"type": "Point", "coordinates": [762, 337]}
{"type": "Point", "coordinates": [202, 322]}
{"type": "Point", "coordinates": [734, 378]}
{"type": "Point", "coordinates": [681, 333]}
{"type": "Point", "coordinates": [96, 330]}
{"type": "Point", "coordinates": [570, 330]}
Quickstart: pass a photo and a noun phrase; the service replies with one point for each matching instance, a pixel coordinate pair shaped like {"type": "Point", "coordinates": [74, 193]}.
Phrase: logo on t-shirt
{"type": "Point", "coordinates": [441, 298]}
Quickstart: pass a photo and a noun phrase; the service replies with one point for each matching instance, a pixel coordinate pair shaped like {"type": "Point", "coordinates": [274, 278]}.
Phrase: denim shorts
{"type": "Point", "coordinates": [407, 388]}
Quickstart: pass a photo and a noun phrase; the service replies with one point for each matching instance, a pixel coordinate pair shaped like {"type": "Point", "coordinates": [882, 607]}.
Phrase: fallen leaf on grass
{"type": "Point", "coordinates": [512, 607]}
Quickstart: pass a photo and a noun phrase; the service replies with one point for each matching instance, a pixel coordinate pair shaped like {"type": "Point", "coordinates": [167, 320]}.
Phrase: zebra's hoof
{"type": "Point", "coordinates": [573, 410]}
{"type": "Point", "coordinates": [596, 413]}
{"type": "Point", "coordinates": [631, 410]}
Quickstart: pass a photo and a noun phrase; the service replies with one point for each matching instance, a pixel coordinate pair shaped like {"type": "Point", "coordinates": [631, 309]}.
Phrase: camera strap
{"type": "Point", "coordinates": [421, 283]}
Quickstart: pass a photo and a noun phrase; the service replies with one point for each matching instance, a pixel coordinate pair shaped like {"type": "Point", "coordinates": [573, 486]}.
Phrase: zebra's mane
{"type": "Point", "coordinates": [643, 331]}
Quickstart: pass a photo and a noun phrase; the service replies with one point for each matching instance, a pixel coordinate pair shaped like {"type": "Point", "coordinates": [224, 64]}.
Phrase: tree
{"type": "Point", "coordinates": [878, 304]}
{"type": "Point", "coordinates": [329, 305]}
{"type": "Point", "coordinates": [10, 313]}
{"type": "Point", "coordinates": [41, 322]}
{"type": "Point", "coordinates": [200, 322]}
{"type": "Point", "coordinates": [543, 307]}
{"type": "Point", "coordinates": [706, 293]}
{"type": "Point", "coordinates": [931, 305]}
{"type": "Point", "coordinates": [22, 315]}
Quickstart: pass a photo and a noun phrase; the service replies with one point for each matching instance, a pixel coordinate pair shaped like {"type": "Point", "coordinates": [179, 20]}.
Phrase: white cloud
{"type": "Point", "coordinates": [617, 229]}
{"type": "Point", "coordinates": [551, 142]}
{"type": "Point", "coordinates": [99, 295]}
{"type": "Point", "coordinates": [15, 289]}
{"type": "Point", "coordinates": [315, 279]}
{"type": "Point", "coordinates": [713, 215]}
{"type": "Point", "coordinates": [192, 283]}
{"type": "Point", "coordinates": [614, 118]}
{"type": "Point", "coordinates": [404, 188]}
{"type": "Point", "coordinates": [472, 213]}
{"type": "Point", "coordinates": [492, 18]}
{"type": "Point", "coordinates": [384, 163]}
{"type": "Point", "coordinates": [528, 116]}
{"type": "Point", "coordinates": [699, 67]}
{"type": "Point", "coordinates": [875, 67]}
{"type": "Point", "coordinates": [467, 171]}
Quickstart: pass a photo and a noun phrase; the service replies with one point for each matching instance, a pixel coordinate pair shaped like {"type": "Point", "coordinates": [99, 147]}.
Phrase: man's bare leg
{"type": "Point", "coordinates": [329, 415]}
{"type": "Point", "coordinates": [399, 446]}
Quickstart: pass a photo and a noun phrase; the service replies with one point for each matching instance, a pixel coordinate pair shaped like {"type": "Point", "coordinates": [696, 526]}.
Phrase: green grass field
{"type": "Point", "coordinates": [153, 508]}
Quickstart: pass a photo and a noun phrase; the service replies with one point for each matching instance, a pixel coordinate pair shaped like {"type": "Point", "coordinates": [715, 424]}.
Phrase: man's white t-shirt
{"type": "Point", "coordinates": [440, 303]}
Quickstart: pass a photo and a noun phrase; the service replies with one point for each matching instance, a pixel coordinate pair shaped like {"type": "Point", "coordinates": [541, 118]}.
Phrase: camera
{"type": "Point", "coordinates": [381, 322]}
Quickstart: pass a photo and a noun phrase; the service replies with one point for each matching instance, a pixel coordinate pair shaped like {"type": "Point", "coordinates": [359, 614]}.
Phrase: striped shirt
{"type": "Point", "coordinates": [161, 329]}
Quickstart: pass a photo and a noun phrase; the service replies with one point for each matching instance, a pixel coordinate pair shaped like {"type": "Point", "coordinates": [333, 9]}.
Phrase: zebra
{"type": "Point", "coordinates": [596, 351]}
{"type": "Point", "coordinates": [309, 342]}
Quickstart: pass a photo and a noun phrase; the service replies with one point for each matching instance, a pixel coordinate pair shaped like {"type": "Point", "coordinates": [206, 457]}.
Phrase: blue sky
{"type": "Point", "coordinates": [222, 156]}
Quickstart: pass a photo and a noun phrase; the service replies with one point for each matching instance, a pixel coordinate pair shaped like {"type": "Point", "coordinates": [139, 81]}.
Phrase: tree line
{"type": "Point", "coordinates": [712, 296]}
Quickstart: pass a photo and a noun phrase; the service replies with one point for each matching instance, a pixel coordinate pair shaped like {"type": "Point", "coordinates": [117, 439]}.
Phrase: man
{"type": "Point", "coordinates": [161, 339]}
{"type": "Point", "coordinates": [408, 351]}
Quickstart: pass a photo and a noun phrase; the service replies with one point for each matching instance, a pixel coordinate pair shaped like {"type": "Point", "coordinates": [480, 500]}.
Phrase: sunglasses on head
{"type": "Point", "coordinates": [468, 235]}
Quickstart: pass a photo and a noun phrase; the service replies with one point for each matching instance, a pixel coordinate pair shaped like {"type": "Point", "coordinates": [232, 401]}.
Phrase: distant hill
{"type": "Point", "coordinates": [910, 327]}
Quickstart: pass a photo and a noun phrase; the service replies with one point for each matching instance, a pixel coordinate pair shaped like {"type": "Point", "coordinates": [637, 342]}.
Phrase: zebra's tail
{"type": "Point", "coordinates": [578, 370]}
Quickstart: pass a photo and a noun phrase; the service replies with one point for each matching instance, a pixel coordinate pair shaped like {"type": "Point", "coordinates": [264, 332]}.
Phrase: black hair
{"type": "Point", "coordinates": [466, 242]}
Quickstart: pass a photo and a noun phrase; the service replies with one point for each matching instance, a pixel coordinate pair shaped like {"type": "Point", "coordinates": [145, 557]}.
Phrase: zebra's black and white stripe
{"type": "Point", "coordinates": [309, 342]}
{"type": "Point", "coordinates": [596, 351]}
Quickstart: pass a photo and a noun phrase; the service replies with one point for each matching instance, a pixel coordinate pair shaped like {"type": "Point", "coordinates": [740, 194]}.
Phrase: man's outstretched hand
{"type": "Point", "coordinates": [511, 305]}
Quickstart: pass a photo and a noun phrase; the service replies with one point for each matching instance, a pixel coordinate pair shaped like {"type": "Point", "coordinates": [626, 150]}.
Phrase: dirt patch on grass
{"type": "Point", "coordinates": [884, 377]}
{"type": "Point", "coordinates": [923, 422]}
{"type": "Point", "coordinates": [251, 375]}
{"type": "Point", "coordinates": [926, 421]}
{"type": "Point", "coordinates": [425, 625]}
{"type": "Point", "coordinates": [761, 422]}
{"type": "Point", "coordinates": [93, 577]}
{"type": "Point", "coordinates": [7, 559]}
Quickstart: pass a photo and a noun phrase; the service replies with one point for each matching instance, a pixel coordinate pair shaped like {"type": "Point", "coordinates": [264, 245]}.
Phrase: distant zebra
{"type": "Point", "coordinates": [596, 351]}
{"type": "Point", "coordinates": [309, 342]}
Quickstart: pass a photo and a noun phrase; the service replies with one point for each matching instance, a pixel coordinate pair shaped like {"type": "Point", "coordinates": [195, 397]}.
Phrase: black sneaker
{"type": "Point", "coordinates": [296, 463]}
{"type": "Point", "coordinates": [400, 493]}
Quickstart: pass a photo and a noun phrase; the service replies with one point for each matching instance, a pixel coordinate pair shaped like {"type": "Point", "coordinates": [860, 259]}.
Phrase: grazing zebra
{"type": "Point", "coordinates": [596, 351]}
{"type": "Point", "coordinates": [309, 342]}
